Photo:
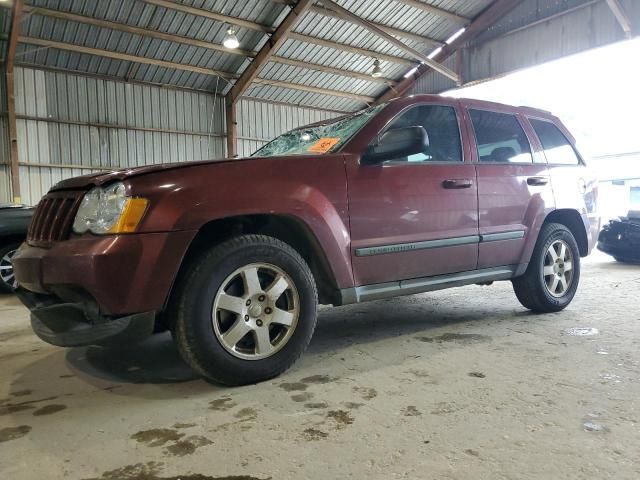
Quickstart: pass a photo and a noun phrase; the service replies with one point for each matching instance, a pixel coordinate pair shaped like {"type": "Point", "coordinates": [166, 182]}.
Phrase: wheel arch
{"type": "Point", "coordinates": [291, 230]}
{"type": "Point", "coordinates": [571, 219]}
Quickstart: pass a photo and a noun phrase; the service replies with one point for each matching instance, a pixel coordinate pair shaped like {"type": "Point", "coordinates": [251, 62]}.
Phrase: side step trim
{"type": "Point", "coordinates": [405, 247]}
{"type": "Point", "coordinates": [495, 237]}
{"type": "Point", "coordinates": [379, 291]}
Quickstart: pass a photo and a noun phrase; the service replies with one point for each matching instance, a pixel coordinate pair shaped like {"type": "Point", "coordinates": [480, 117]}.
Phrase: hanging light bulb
{"type": "Point", "coordinates": [377, 71]}
{"type": "Point", "coordinates": [230, 40]}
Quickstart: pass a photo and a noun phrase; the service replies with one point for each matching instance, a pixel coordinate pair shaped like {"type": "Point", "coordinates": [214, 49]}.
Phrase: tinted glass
{"type": "Point", "coordinates": [557, 148]}
{"type": "Point", "coordinates": [500, 138]}
{"type": "Point", "coordinates": [441, 125]}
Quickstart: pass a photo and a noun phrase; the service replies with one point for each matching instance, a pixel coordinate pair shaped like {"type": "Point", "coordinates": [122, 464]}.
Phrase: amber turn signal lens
{"type": "Point", "coordinates": [131, 215]}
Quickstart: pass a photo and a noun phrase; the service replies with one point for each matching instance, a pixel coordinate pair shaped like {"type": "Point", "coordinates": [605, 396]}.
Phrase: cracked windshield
{"type": "Point", "coordinates": [319, 139]}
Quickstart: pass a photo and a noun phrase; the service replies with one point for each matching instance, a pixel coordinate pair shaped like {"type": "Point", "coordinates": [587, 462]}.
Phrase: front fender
{"type": "Point", "coordinates": [311, 189]}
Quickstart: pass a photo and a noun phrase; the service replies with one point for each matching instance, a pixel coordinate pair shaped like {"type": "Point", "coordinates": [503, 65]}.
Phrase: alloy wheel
{"type": "Point", "coordinates": [255, 311]}
{"type": "Point", "coordinates": [558, 268]}
{"type": "Point", "coordinates": [7, 275]}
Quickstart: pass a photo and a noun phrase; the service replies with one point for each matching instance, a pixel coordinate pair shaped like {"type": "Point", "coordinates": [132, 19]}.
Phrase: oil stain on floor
{"type": "Point", "coordinates": [304, 383]}
{"type": "Point", "coordinates": [179, 444]}
{"type": "Point", "coordinates": [151, 471]}
{"type": "Point", "coordinates": [49, 409]}
{"type": "Point", "coordinates": [187, 446]}
{"type": "Point", "coordinates": [12, 433]}
{"type": "Point", "coordinates": [222, 404]}
{"type": "Point", "coordinates": [313, 434]}
{"type": "Point", "coordinates": [341, 418]}
{"type": "Point", "coordinates": [456, 338]}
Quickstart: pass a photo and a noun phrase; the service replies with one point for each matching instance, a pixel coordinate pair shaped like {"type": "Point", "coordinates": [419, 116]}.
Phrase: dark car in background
{"type": "Point", "coordinates": [14, 223]}
{"type": "Point", "coordinates": [621, 238]}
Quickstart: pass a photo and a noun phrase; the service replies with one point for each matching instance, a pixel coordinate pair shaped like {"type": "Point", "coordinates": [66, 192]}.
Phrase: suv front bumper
{"type": "Point", "coordinates": [66, 324]}
{"type": "Point", "coordinates": [90, 288]}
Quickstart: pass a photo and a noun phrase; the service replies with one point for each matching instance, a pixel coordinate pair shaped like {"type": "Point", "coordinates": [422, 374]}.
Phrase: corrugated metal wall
{"type": "Point", "coordinates": [70, 125]}
{"type": "Point", "coordinates": [535, 32]}
{"type": "Point", "coordinates": [259, 122]}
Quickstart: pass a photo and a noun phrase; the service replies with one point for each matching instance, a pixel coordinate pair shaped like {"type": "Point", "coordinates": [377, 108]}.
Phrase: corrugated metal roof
{"type": "Point", "coordinates": [150, 16]}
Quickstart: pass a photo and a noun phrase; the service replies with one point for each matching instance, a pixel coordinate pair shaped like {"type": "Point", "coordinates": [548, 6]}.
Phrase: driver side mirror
{"type": "Point", "coordinates": [401, 142]}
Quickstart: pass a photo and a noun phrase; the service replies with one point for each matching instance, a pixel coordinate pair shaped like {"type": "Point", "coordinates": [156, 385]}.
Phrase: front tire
{"type": "Point", "coordinates": [8, 281]}
{"type": "Point", "coordinates": [552, 277]}
{"type": "Point", "coordinates": [245, 311]}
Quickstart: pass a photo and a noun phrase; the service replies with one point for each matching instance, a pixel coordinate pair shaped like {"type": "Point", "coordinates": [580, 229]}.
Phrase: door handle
{"type": "Point", "coordinates": [455, 183]}
{"type": "Point", "coordinates": [537, 181]}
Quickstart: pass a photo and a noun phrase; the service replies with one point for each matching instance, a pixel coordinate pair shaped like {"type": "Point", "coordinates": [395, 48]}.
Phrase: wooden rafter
{"type": "Point", "coordinates": [493, 13]}
{"type": "Point", "coordinates": [11, 99]}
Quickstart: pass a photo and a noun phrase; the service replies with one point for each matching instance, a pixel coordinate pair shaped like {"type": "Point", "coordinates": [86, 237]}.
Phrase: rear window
{"type": "Point", "coordinates": [557, 148]}
{"type": "Point", "coordinates": [500, 138]}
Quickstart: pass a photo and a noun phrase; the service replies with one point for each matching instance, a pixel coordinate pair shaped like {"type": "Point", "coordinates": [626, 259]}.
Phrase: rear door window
{"type": "Point", "coordinates": [557, 148]}
{"type": "Point", "coordinates": [500, 138]}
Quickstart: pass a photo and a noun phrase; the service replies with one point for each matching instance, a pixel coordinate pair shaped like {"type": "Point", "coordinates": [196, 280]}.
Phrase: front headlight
{"type": "Point", "coordinates": [109, 210]}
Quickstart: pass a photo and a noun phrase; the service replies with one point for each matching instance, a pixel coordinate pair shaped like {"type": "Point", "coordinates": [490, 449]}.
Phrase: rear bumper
{"type": "Point", "coordinates": [75, 324]}
{"type": "Point", "coordinates": [121, 274]}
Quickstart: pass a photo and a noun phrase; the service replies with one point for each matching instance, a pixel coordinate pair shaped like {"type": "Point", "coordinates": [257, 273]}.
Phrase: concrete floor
{"type": "Point", "coordinates": [458, 384]}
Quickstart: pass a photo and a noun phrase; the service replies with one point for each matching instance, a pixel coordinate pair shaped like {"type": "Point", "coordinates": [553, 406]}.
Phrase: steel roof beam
{"type": "Point", "coordinates": [392, 40]}
{"type": "Point", "coordinates": [265, 28]}
{"type": "Point", "coordinates": [488, 17]}
{"type": "Point", "coordinates": [327, 12]}
{"type": "Point", "coordinates": [440, 12]}
{"type": "Point", "coordinates": [183, 67]}
{"type": "Point", "coordinates": [122, 27]}
{"type": "Point", "coordinates": [14, 38]}
{"type": "Point", "coordinates": [274, 42]}
{"type": "Point", "coordinates": [218, 17]}
{"type": "Point", "coordinates": [621, 16]}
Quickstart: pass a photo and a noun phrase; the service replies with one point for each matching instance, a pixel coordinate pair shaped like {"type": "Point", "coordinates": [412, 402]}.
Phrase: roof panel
{"type": "Point", "coordinates": [138, 13]}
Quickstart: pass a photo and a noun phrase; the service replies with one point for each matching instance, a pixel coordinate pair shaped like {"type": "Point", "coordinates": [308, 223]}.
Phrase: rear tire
{"type": "Point", "coordinates": [552, 277]}
{"type": "Point", "coordinates": [228, 327]}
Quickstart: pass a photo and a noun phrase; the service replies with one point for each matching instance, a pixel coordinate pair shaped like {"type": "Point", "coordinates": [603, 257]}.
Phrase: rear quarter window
{"type": "Point", "coordinates": [557, 148]}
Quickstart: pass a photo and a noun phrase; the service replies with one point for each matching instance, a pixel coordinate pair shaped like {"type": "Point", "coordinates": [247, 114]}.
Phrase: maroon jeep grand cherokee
{"type": "Point", "coordinates": [418, 194]}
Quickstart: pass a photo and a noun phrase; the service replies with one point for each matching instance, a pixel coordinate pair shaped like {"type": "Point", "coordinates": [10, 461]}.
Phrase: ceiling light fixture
{"type": "Point", "coordinates": [434, 53]}
{"type": "Point", "coordinates": [230, 40]}
{"type": "Point", "coordinates": [377, 71]}
{"type": "Point", "coordinates": [411, 72]}
{"type": "Point", "coordinates": [455, 36]}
